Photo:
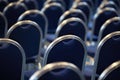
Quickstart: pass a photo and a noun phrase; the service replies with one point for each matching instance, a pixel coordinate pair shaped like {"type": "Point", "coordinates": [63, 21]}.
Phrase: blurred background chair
{"type": "Point", "coordinates": [58, 71]}
{"type": "Point", "coordinates": [3, 4]}
{"type": "Point", "coordinates": [12, 60]}
{"type": "Point", "coordinates": [29, 35]}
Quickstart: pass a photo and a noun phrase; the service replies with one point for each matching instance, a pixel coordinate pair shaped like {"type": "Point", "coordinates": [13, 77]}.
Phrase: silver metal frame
{"type": "Point", "coordinates": [103, 27]}
{"type": "Point", "coordinates": [98, 50]}
{"type": "Point", "coordinates": [10, 41]}
{"type": "Point", "coordinates": [59, 39]}
{"type": "Point", "coordinates": [57, 65]}
{"type": "Point", "coordinates": [69, 12]}
{"type": "Point", "coordinates": [109, 69]}
{"type": "Point", "coordinates": [6, 23]}
{"type": "Point", "coordinates": [38, 12]}
{"type": "Point", "coordinates": [96, 16]}
{"type": "Point", "coordinates": [60, 26]}
{"type": "Point", "coordinates": [19, 23]}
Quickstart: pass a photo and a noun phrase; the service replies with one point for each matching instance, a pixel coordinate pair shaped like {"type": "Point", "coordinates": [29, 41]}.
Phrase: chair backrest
{"type": "Point", "coordinates": [12, 11]}
{"type": "Point", "coordinates": [73, 26]}
{"type": "Point", "coordinates": [107, 52]}
{"type": "Point", "coordinates": [58, 71]}
{"type": "Point", "coordinates": [73, 13]}
{"type": "Point", "coordinates": [98, 21]}
{"type": "Point", "coordinates": [30, 4]}
{"type": "Point", "coordinates": [12, 60]}
{"type": "Point", "coordinates": [38, 17]}
{"type": "Point", "coordinates": [57, 1]}
{"type": "Point", "coordinates": [85, 8]}
{"type": "Point", "coordinates": [29, 35]}
{"type": "Point", "coordinates": [3, 25]}
{"type": "Point", "coordinates": [3, 4]}
{"type": "Point", "coordinates": [109, 26]}
{"type": "Point", "coordinates": [112, 72]}
{"type": "Point", "coordinates": [69, 48]}
{"type": "Point", "coordinates": [53, 11]}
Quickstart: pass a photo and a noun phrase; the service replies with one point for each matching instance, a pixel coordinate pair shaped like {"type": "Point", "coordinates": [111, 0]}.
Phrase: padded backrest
{"type": "Point", "coordinates": [105, 13]}
{"type": "Point", "coordinates": [3, 25]}
{"type": "Point", "coordinates": [73, 13]}
{"type": "Point", "coordinates": [107, 52]}
{"type": "Point", "coordinates": [12, 60]}
{"type": "Point", "coordinates": [112, 72]}
{"type": "Point", "coordinates": [58, 71]}
{"type": "Point", "coordinates": [53, 11]}
{"type": "Point", "coordinates": [38, 17]}
{"type": "Point", "coordinates": [69, 48]}
{"type": "Point", "coordinates": [73, 26]}
{"type": "Point", "coordinates": [3, 4]}
{"type": "Point", "coordinates": [12, 11]}
{"type": "Point", "coordinates": [109, 26]}
{"type": "Point", "coordinates": [29, 35]}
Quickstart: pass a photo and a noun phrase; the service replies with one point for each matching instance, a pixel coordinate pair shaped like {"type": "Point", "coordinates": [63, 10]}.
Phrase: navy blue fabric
{"type": "Point", "coordinates": [75, 28]}
{"type": "Point", "coordinates": [109, 53]}
{"type": "Point", "coordinates": [3, 4]}
{"type": "Point", "coordinates": [60, 74]}
{"type": "Point", "coordinates": [38, 18]}
{"type": "Point", "coordinates": [2, 25]}
{"type": "Point", "coordinates": [53, 13]}
{"type": "Point", "coordinates": [13, 12]}
{"type": "Point", "coordinates": [10, 63]}
{"type": "Point", "coordinates": [113, 26]}
{"type": "Point", "coordinates": [29, 38]}
{"type": "Point", "coordinates": [69, 50]}
{"type": "Point", "coordinates": [40, 3]}
{"type": "Point", "coordinates": [100, 21]}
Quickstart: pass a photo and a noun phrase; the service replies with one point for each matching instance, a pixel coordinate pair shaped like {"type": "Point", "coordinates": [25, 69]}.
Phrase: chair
{"type": "Point", "coordinates": [38, 17]}
{"type": "Point", "coordinates": [112, 72]}
{"type": "Point", "coordinates": [73, 26]}
{"type": "Point", "coordinates": [3, 4]}
{"type": "Point", "coordinates": [12, 60]}
{"type": "Point", "coordinates": [107, 52]}
{"type": "Point", "coordinates": [69, 48]}
{"type": "Point", "coordinates": [58, 71]}
{"type": "Point", "coordinates": [85, 8]}
{"type": "Point", "coordinates": [53, 11]}
{"type": "Point", "coordinates": [41, 3]}
{"type": "Point", "coordinates": [30, 4]}
{"type": "Point", "coordinates": [98, 21]}
{"type": "Point", "coordinates": [57, 1]}
{"type": "Point", "coordinates": [3, 25]}
{"type": "Point", "coordinates": [73, 13]}
{"type": "Point", "coordinates": [111, 25]}
{"type": "Point", "coordinates": [29, 35]}
{"type": "Point", "coordinates": [12, 11]}
{"type": "Point", "coordinates": [12, 1]}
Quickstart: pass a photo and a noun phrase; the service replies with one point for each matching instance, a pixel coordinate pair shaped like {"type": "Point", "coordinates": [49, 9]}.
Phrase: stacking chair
{"type": "Point", "coordinates": [69, 48]}
{"type": "Point", "coordinates": [3, 25]}
{"type": "Point", "coordinates": [30, 4]}
{"type": "Point", "coordinates": [12, 11]}
{"type": "Point", "coordinates": [38, 17]}
{"type": "Point", "coordinates": [112, 72]}
{"type": "Point", "coordinates": [110, 4]}
{"type": "Point", "coordinates": [99, 18]}
{"type": "Point", "coordinates": [85, 8]}
{"type": "Point", "coordinates": [57, 1]}
{"type": "Point", "coordinates": [58, 71]}
{"type": "Point", "coordinates": [3, 4]}
{"type": "Point", "coordinates": [73, 13]}
{"type": "Point", "coordinates": [12, 60]}
{"type": "Point", "coordinates": [111, 25]}
{"type": "Point", "coordinates": [41, 3]}
{"type": "Point", "coordinates": [117, 2]}
{"type": "Point", "coordinates": [53, 11]}
{"type": "Point", "coordinates": [107, 52]}
{"type": "Point", "coordinates": [29, 35]}
{"type": "Point", "coordinates": [73, 26]}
